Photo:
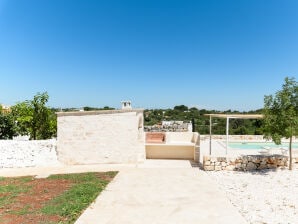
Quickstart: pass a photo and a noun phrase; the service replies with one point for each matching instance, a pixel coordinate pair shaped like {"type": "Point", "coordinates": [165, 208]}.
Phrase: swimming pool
{"type": "Point", "coordinates": [259, 145]}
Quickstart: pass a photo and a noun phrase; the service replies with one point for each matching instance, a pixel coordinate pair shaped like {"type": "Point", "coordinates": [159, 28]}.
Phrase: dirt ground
{"type": "Point", "coordinates": [26, 206]}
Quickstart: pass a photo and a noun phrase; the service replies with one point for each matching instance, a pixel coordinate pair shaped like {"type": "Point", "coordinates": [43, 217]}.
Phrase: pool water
{"type": "Point", "coordinates": [259, 145]}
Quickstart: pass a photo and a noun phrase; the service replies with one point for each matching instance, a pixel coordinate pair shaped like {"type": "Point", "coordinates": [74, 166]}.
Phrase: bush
{"type": "Point", "coordinates": [6, 126]}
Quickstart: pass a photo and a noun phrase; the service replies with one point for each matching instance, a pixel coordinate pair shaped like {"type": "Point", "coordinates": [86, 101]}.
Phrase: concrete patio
{"type": "Point", "coordinates": [160, 192]}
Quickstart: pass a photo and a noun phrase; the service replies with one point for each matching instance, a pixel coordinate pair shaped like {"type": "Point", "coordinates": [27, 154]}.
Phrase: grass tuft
{"type": "Point", "coordinates": [72, 202]}
{"type": "Point", "coordinates": [9, 192]}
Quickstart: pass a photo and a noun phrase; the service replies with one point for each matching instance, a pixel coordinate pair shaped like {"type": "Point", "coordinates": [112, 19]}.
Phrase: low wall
{"type": "Point", "coordinates": [245, 163]}
{"type": "Point", "coordinates": [15, 153]}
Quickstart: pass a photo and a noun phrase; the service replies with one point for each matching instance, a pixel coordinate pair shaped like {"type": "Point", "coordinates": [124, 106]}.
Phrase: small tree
{"type": "Point", "coordinates": [22, 115]}
{"type": "Point", "coordinates": [281, 114]}
{"type": "Point", "coordinates": [34, 118]}
{"type": "Point", "coordinates": [181, 108]}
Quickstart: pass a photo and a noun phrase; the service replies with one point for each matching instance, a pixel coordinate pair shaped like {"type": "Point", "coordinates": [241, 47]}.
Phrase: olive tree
{"type": "Point", "coordinates": [281, 114]}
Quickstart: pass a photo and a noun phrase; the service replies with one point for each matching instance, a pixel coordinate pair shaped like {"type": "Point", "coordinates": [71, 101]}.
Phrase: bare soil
{"type": "Point", "coordinates": [25, 207]}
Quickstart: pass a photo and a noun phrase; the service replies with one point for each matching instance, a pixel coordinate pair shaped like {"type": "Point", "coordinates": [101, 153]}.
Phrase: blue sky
{"type": "Point", "coordinates": [157, 53]}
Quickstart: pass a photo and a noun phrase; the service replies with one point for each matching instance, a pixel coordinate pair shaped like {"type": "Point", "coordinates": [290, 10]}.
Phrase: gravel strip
{"type": "Point", "coordinates": [267, 197]}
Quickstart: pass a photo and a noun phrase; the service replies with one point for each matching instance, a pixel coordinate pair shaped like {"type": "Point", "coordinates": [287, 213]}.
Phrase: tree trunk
{"type": "Point", "coordinates": [290, 154]}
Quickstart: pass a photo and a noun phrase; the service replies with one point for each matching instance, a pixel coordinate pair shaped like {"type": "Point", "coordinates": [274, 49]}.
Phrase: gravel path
{"type": "Point", "coordinates": [267, 197]}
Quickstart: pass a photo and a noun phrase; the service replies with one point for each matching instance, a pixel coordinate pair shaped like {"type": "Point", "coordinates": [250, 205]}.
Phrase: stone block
{"type": "Point", "coordinates": [205, 158]}
{"type": "Point", "coordinates": [206, 163]}
{"type": "Point", "coordinates": [238, 165]}
{"type": "Point", "coordinates": [221, 159]}
{"type": "Point", "coordinates": [213, 159]}
{"type": "Point", "coordinates": [256, 160]}
{"type": "Point", "coordinates": [232, 162]}
{"type": "Point", "coordinates": [217, 168]}
{"type": "Point", "coordinates": [238, 160]}
{"type": "Point", "coordinates": [272, 166]}
{"type": "Point", "coordinates": [209, 168]}
{"type": "Point", "coordinates": [249, 158]}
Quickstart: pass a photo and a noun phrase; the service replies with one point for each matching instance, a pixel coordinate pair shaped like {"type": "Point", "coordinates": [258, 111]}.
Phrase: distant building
{"type": "Point", "coordinates": [5, 109]}
{"type": "Point", "coordinates": [126, 105]}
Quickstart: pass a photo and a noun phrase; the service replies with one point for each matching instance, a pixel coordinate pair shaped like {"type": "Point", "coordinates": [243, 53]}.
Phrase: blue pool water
{"type": "Point", "coordinates": [258, 145]}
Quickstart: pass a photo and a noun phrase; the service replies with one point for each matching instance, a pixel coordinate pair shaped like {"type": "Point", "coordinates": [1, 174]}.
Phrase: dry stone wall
{"type": "Point", "coordinates": [15, 153]}
{"type": "Point", "coordinates": [245, 163]}
{"type": "Point", "coordinates": [170, 126]}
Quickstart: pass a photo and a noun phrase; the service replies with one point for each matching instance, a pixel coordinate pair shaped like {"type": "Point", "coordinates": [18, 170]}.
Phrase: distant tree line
{"type": "Point", "coordinates": [96, 108]}
{"type": "Point", "coordinates": [201, 122]}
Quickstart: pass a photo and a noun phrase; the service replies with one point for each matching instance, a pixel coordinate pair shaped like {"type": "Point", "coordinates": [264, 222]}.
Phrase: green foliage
{"type": "Point", "coordinates": [281, 113]}
{"type": "Point", "coordinates": [34, 118]}
{"type": "Point", "coordinates": [183, 113]}
{"type": "Point", "coordinates": [22, 115]}
{"type": "Point", "coordinates": [6, 126]}
{"type": "Point", "coordinates": [96, 108]}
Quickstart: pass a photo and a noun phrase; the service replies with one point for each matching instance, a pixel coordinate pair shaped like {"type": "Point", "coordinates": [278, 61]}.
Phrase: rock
{"type": "Point", "coordinates": [230, 168]}
{"type": "Point", "coordinates": [238, 165]}
{"type": "Point", "coordinates": [272, 166]}
{"type": "Point", "coordinates": [251, 166]}
{"type": "Point", "coordinates": [256, 160]}
{"type": "Point", "coordinates": [217, 163]}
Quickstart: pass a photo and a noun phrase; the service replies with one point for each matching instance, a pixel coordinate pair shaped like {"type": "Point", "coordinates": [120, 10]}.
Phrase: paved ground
{"type": "Point", "coordinates": [156, 192]}
{"type": "Point", "coordinates": [161, 194]}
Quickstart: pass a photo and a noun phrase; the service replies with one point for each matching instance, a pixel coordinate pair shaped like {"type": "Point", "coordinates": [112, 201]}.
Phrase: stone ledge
{"type": "Point", "coordinates": [96, 112]}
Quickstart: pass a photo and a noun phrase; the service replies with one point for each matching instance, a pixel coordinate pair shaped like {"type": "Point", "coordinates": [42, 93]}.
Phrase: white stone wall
{"type": "Point", "coordinates": [101, 137]}
{"type": "Point", "coordinates": [15, 153]}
